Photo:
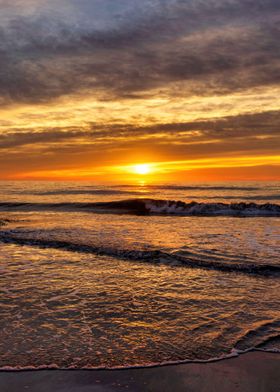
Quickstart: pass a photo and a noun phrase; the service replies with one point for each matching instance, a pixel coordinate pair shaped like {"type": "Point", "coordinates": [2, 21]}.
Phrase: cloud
{"type": "Point", "coordinates": [119, 49]}
{"type": "Point", "coordinates": [97, 82]}
{"type": "Point", "coordinates": [256, 130]}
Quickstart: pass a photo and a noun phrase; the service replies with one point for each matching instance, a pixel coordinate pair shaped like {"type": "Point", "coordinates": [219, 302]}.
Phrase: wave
{"type": "Point", "coordinates": [203, 187]}
{"type": "Point", "coordinates": [4, 222]}
{"type": "Point", "coordinates": [260, 336]}
{"type": "Point", "coordinates": [170, 207]}
{"type": "Point", "coordinates": [155, 207]}
{"type": "Point", "coordinates": [149, 256]}
{"type": "Point", "coordinates": [101, 192]}
{"type": "Point", "coordinates": [239, 197]}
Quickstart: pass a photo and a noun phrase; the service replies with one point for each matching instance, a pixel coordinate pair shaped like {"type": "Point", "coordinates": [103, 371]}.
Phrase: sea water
{"type": "Point", "coordinates": [136, 275]}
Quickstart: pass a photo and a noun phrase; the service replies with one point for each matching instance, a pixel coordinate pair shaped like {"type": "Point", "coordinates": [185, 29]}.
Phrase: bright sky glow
{"type": "Point", "coordinates": [142, 169]}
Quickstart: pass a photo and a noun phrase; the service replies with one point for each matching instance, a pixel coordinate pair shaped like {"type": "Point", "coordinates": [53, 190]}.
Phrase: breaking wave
{"type": "Point", "coordinates": [155, 207]}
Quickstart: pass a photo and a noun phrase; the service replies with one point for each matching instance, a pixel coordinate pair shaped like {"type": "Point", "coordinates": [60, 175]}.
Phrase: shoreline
{"type": "Point", "coordinates": [253, 371]}
{"type": "Point", "coordinates": [53, 367]}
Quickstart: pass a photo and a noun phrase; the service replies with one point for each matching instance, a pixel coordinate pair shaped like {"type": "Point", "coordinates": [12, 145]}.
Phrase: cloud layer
{"type": "Point", "coordinates": [171, 54]}
{"type": "Point", "coordinates": [123, 48]}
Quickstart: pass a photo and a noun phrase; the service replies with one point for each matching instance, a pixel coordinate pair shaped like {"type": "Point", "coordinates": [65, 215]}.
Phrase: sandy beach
{"type": "Point", "coordinates": [252, 372]}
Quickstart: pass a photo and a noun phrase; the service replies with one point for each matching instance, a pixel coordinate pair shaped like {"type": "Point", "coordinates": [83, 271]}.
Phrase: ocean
{"type": "Point", "coordinates": [96, 276]}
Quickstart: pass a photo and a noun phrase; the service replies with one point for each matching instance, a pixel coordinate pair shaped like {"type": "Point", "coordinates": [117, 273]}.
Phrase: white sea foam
{"type": "Point", "coordinates": [234, 353]}
{"type": "Point", "coordinates": [211, 209]}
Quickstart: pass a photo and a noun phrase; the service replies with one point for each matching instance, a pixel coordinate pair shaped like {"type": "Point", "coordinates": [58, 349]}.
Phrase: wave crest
{"type": "Point", "coordinates": [154, 207]}
{"type": "Point", "coordinates": [170, 207]}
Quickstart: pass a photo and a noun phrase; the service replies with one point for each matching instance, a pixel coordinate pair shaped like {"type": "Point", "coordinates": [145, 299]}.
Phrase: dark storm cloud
{"type": "Point", "coordinates": [121, 48]}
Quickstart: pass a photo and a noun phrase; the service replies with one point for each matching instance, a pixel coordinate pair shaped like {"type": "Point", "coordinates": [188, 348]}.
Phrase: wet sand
{"type": "Point", "coordinates": [252, 372]}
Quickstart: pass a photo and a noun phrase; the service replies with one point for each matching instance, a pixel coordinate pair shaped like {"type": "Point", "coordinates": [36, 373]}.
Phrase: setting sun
{"type": "Point", "coordinates": [142, 169]}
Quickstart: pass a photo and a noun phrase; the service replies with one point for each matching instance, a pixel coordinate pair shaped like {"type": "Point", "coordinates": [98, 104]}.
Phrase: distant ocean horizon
{"type": "Point", "coordinates": [109, 276]}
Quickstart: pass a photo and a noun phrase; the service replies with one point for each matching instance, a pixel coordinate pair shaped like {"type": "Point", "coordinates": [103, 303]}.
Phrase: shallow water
{"type": "Point", "coordinates": [90, 289]}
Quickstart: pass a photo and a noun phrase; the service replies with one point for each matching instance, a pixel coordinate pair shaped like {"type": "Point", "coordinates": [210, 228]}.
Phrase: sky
{"type": "Point", "coordinates": [91, 88]}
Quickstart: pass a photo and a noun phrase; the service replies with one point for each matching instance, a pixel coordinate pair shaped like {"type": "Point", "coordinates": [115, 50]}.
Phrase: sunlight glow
{"type": "Point", "coordinates": [142, 169]}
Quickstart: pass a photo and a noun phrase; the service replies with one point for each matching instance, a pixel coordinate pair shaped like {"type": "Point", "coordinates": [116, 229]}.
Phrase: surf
{"type": "Point", "coordinates": [148, 206]}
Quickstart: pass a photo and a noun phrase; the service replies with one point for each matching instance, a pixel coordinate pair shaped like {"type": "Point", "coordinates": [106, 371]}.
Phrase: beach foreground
{"type": "Point", "coordinates": [252, 372]}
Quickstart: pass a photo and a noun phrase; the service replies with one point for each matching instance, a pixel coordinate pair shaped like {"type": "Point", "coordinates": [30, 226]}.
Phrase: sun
{"type": "Point", "coordinates": [142, 169]}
